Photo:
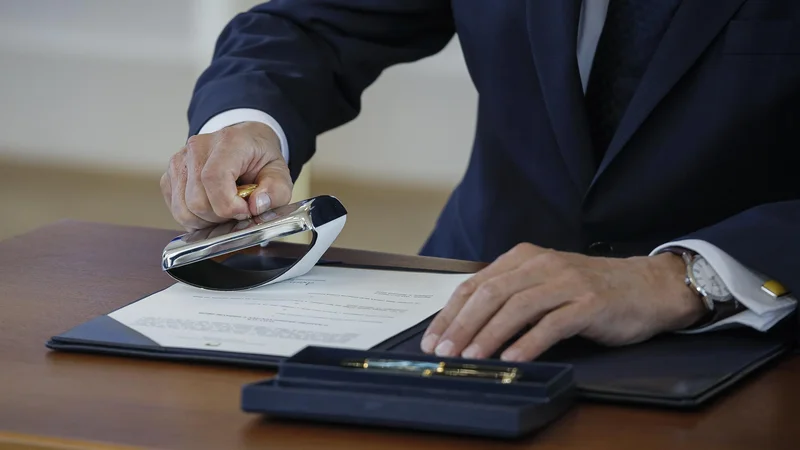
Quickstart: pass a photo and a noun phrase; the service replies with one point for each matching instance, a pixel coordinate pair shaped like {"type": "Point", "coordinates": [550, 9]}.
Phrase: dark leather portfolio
{"type": "Point", "coordinates": [671, 370]}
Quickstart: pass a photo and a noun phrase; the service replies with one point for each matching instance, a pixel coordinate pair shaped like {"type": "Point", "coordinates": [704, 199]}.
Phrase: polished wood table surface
{"type": "Point", "coordinates": [62, 275]}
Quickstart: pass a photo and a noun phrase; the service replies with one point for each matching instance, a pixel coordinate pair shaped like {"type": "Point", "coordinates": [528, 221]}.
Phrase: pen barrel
{"type": "Point", "coordinates": [442, 369]}
{"type": "Point", "coordinates": [504, 376]}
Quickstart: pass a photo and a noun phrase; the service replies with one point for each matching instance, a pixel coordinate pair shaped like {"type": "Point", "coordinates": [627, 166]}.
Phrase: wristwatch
{"type": "Point", "coordinates": [707, 284]}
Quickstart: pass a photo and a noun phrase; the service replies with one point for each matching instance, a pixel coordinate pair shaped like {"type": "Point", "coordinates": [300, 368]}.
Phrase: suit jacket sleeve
{"type": "Point", "coordinates": [765, 238]}
{"type": "Point", "coordinates": [307, 62]}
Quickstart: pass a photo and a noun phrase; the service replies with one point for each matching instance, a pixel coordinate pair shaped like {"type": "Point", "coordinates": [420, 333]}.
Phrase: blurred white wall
{"type": "Point", "coordinates": [105, 84]}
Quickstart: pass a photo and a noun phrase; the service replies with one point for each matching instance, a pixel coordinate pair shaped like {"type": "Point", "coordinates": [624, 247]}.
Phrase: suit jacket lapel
{"type": "Point", "coordinates": [552, 31]}
{"type": "Point", "coordinates": [693, 28]}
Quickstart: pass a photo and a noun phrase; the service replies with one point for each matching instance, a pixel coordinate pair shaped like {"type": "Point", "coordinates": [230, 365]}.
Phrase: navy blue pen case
{"type": "Point", "coordinates": [313, 385]}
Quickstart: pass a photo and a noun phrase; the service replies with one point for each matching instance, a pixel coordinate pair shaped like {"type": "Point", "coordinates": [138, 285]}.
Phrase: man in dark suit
{"type": "Point", "coordinates": [634, 169]}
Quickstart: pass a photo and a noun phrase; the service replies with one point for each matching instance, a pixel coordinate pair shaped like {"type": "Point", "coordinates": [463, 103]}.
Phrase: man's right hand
{"type": "Point", "coordinates": [200, 184]}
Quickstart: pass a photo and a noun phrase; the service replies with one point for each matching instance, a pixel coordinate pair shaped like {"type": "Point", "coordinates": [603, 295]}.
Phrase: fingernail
{"type": "Point", "coordinates": [444, 349]}
{"type": "Point", "coordinates": [428, 343]}
{"type": "Point", "coordinates": [262, 202]}
{"type": "Point", "coordinates": [241, 217]}
{"type": "Point", "coordinates": [510, 355]}
{"type": "Point", "coordinates": [472, 351]}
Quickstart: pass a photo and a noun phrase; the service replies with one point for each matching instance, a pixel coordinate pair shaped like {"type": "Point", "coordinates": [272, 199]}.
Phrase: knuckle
{"type": "Point", "coordinates": [549, 259]}
{"type": "Point", "coordinates": [552, 322]}
{"type": "Point", "coordinates": [184, 217]}
{"type": "Point", "coordinates": [564, 324]}
{"type": "Point", "coordinates": [230, 138]}
{"type": "Point", "coordinates": [282, 191]}
{"type": "Point", "coordinates": [287, 183]}
{"type": "Point", "coordinates": [489, 338]}
{"type": "Point", "coordinates": [526, 246]}
{"type": "Point", "coordinates": [226, 133]}
{"type": "Point", "coordinates": [492, 335]}
{"type": "Point", "coordinates": [518, 300]}
{"type": "Point", "coordinates": [588, 297]}
{"type": "Point", "coordinates": [194, 143]}
{"type": "Point", "coordinates": [196, 204]}
{"type": "Point", "coordinates": [531, 266]}
{"type": "Point", "coordinates": [225, 210]}
{"type": "Point", "coordinates": [465, 289]}
{"type": "Point", "coordinates": [521, 249]}
{"type": "Point", "coordinates": [164, 183]}
{"type": "Point", "coordinates": [176, 160]}
{"type": "Point", "coordinates": [489, 290]}
{"type": "Point", "coordinates": [458, 325]}
{"type": "Point", "coordinates": [439, 323]}
{"type": "Point", "coordinates": [209, 174]}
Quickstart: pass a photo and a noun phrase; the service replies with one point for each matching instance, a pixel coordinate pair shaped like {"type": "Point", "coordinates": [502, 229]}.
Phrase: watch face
{"type": "Point", "coordinates": [707, 279]}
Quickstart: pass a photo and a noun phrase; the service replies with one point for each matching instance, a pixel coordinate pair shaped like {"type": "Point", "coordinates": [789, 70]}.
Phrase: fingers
{"type": "Point", "coordinates": [560, 294]}
{"type": "Point", "coordinates": [177, 174]}
{"type": "Point", "coordinates": [522, 309]}
{"type": "Point", "coordinates": [223, 166]}
{"type": "Point", "coordinates": [196, 198]}
{"type": "Point", "coordinates": [440, 323]}
{"type": "Point", "coordinates": [274, 188]}
{"type": "Point", "coordinates": [561, 323]}
{"type": "Point", "coordinates": [200, 186]}
{"type": "Point", "coordinates": [505, 263]}
{"type": "Point", "coordinates": [166, 189]}
{"type": "Point", "coordinates": [489, 298]}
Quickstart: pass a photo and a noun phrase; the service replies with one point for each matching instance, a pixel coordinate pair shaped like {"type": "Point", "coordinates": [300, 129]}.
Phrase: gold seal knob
{"type": "Point", "coordinates": [246, 190]}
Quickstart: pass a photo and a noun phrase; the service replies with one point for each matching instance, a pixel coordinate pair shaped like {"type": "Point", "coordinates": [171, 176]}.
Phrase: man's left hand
{"type": "Point", "coordinates": [612, 301]}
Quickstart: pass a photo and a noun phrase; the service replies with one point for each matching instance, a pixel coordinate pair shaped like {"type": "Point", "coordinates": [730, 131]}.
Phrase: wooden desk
{"type": "Point", "coordinates": [62, 275]}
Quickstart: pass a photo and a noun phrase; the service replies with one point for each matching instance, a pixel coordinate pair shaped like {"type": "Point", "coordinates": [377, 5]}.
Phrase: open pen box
{"type": "Point", "coordinates": [315, 384]}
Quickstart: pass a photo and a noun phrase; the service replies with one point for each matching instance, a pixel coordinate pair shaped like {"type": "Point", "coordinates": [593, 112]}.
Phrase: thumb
{"type": "Point", "coordinates": [274, 188]}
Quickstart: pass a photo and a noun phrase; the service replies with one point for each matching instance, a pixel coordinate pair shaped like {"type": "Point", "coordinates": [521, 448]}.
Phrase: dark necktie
{"type": "Point", "coordinates": [632, 31]}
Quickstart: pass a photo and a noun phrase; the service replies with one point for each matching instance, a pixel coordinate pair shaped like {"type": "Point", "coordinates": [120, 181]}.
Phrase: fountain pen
{"type": "Point", "coordinates": [503, 375]}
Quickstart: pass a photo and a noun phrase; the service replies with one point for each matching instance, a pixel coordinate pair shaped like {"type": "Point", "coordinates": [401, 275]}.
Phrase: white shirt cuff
{"type": "Point", "coordinates": [763, 310]}
{"type": "Point", "coordinates": [234, 116]}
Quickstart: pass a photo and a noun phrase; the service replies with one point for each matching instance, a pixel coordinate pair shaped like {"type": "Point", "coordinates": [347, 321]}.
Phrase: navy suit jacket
{"type": "Point", "coordinates": [707, 149]}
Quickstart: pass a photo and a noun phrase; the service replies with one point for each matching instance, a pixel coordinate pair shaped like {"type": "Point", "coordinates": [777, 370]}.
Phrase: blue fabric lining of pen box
{"type": "Point", "coordinates": [313, 385]}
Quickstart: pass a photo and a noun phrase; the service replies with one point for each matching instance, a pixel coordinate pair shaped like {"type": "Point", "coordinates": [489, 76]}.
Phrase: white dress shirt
{"type": "Point", "coordinates": [763, 310]}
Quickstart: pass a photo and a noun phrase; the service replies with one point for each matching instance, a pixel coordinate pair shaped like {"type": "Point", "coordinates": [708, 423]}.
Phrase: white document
{"type": "Point", "coordinates": [328, 306]}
